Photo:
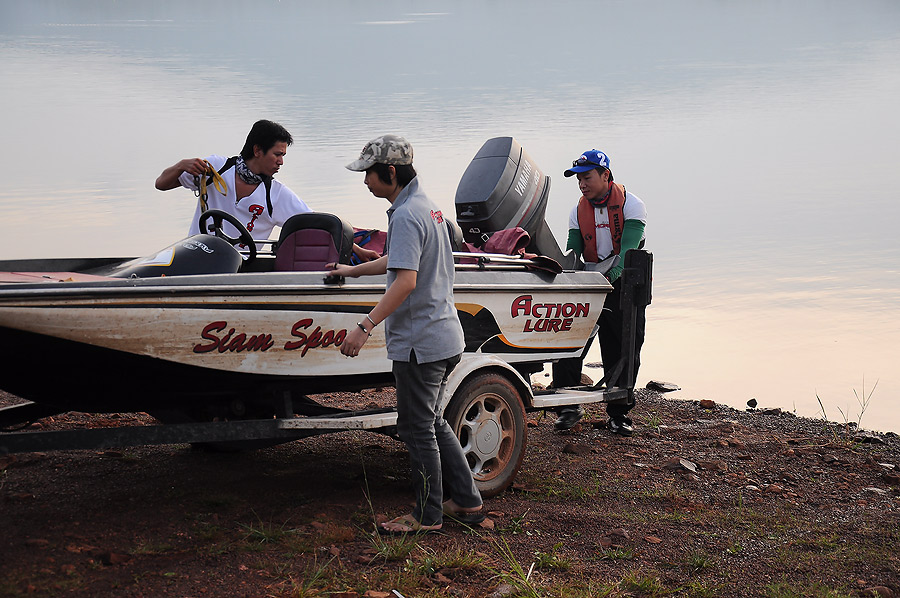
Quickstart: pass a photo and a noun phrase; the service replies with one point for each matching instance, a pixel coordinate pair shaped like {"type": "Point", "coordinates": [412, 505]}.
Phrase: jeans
{"type": "Point", "coordinates": [439, 466]}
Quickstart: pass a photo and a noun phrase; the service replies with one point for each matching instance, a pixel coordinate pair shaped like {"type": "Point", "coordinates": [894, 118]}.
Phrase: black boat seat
{"type": "Point", "coordinates": [311, 240]}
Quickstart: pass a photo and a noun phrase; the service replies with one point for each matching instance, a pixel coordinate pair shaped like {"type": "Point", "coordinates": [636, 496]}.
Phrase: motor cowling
{"type": "Point", "coordinates": [503, 188]}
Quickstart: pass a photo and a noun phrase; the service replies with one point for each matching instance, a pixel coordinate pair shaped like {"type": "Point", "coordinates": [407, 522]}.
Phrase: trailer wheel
{"type": "Point", "coordinates": [487, 415]}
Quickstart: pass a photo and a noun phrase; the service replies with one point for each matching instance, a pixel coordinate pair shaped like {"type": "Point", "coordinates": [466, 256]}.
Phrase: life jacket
{"type": "Point", "coordinates": [267, 181]}
{"type": "Point", "coordinates": [615, 207]}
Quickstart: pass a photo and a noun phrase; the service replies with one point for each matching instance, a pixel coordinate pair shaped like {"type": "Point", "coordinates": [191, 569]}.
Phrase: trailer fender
{"type": "Point", "coordinates": [472, 364]}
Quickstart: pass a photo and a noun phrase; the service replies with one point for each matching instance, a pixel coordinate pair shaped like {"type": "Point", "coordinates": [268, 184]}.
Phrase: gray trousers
{"type": "Point", "coordinates": [439, 467]}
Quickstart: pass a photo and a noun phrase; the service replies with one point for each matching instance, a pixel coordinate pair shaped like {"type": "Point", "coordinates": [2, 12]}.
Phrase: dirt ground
{"type": "Point", "coordinates": [703, 500]}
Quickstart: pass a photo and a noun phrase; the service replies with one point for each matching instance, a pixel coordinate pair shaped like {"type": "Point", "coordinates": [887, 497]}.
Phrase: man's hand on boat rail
{"type": "Point", "coordinates": [377, 266]}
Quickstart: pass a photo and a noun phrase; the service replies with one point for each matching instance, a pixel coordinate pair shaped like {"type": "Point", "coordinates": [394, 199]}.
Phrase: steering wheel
{"type": "Point", "coordinates": [217, 216]}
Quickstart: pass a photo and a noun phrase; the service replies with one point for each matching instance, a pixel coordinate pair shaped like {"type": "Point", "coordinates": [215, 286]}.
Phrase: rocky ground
{"type": "Point", "coordinates": [703, 500]}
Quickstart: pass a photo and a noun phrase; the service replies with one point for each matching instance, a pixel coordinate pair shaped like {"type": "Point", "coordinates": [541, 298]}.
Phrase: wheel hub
{"type": "Point", "coordinates": [487, 437]}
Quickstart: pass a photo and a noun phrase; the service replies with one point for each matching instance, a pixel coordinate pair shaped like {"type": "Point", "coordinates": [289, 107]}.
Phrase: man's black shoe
{"type": "Point", "coordinates": [568, 417]}
{"type": "Point", "coordinates": [620, 425]}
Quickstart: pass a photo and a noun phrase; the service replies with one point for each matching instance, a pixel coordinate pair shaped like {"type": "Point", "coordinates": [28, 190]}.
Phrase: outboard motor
{"type": "Point", "coordinates": [503, 188]}
{"type": "Point", "coordinates": [199, 254]}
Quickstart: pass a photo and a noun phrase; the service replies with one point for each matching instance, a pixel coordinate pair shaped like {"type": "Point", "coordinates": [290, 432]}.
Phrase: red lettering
{"type": "Point", "coordinates": [328, 338]}
{"type": "Point", "coordinates": [315, 339]}
{"type": "Point", "coordinates": [521, 304]}
{"type": "Point", "coordinates": [548, 325]}
{"type": "Point", "coordinates": [224, 341]}
{"type": "Point", "coordinates": [257, 211]}
{"type": "Point", "coordinates": [240, 342]}
{"type": "Point", "coordinates": [295, 331]}
{"type": "Point", "coordinates": [207, 335]}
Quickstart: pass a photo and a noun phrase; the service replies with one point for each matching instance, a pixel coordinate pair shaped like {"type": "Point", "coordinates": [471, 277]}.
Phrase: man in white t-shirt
{"type": "Point", "coordinates": [606, 221]}
{"type": "Point", "coordinates": [252, 195]}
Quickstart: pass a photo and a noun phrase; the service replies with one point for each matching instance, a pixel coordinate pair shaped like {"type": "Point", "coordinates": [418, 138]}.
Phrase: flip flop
{"type": "Point", "coordinates": [409, 522]}
{"type": "Point", "coordinates": [465, 517]}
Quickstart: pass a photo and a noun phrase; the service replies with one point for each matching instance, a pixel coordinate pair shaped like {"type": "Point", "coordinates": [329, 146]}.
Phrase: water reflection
{"type": "Point", "coordinates": [762, 137]}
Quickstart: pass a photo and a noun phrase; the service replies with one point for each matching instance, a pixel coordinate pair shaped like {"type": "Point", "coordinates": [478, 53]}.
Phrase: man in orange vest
{"type": "Point", "coordinates": [607, 221]}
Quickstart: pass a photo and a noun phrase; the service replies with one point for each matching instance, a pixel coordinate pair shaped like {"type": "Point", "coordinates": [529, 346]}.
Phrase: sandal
{"type": "Point", "coordinates": [464, 517]}
{"type": "Point", "coordinates": [406, 524]}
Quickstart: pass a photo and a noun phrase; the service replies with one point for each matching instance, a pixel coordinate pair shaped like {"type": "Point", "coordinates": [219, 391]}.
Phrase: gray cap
{"type": "Point", "coordinates": [387, 149]}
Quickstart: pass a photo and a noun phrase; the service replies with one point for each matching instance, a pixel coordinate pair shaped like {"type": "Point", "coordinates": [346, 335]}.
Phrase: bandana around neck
{"type": "Point", "coordinates": [601, 201]}
{"type": "Point", "coordinates": [247, 175]}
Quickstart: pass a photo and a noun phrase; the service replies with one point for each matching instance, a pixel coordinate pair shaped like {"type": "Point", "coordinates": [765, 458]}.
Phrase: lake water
{"type": "Point", "coordinates": [764, 138]}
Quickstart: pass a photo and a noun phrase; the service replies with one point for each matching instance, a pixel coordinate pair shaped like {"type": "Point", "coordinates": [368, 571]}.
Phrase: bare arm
{"type": "Point", "coordinates": [168, 179]}
{"type": "Point", "coordinates": [403, 285]}
{"type": "Point", "coordinates": [378, 266]}
{"type": "Point", "coordinates": [365, 255]}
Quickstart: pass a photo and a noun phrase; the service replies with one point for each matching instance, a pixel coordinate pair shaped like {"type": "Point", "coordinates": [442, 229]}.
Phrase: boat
{"type": "Point", "coordinates": [204, 333]}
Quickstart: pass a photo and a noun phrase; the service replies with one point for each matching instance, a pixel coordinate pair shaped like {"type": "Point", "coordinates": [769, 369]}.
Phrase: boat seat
{"type": "Point", "coordinates": [311, 240]}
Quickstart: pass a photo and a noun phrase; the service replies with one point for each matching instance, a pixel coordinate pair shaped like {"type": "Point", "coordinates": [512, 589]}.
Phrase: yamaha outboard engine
{"type": "Point", "coordinates": [503, 188]}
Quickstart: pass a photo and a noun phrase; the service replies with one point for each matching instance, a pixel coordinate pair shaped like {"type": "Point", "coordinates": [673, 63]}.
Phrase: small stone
{"type": "Point", "coordinates": [752, 403]}
{"type": "Point", "coordinates": [879, 591]}
{"type": "Point", "coordinates": [660, 386]}
{"type": "Point", "coordinates": [576, 449]}
{"type": "Point", "coordinates": [707, 404]}
{"type": "Point", "coordinates": [713, 465]}
{"type": "Point", "coordinates": [111, 558]}
{"type": "Point", "coordinates": [503, 590]}
{"type": "Point", "coordinates": [37, 542]}
{"type": "Point", "coordinates": [487, 524]}
{"type": "Point", "coordinates": [892, 479]}
{"type": "Point", "coordinates": [867, 438]}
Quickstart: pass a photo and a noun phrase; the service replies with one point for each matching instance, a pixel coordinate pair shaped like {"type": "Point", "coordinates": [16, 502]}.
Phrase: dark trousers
{"type": "Point", "coordinates": [439, 465]}
{"type": "Point", "coordinates": [567, 372]}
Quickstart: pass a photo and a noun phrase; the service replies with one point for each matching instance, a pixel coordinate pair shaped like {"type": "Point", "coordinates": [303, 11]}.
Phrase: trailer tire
{"type": "Point", "coordinates": [487, 415]}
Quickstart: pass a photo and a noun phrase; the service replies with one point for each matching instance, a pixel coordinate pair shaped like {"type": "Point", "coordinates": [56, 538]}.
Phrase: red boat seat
{"type": "Point", "coordinates": [311, 240]}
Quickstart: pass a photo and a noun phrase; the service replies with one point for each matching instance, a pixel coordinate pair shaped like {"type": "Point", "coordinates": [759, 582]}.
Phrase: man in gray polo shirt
{"type": "Point", "coordinates": [423, 334]}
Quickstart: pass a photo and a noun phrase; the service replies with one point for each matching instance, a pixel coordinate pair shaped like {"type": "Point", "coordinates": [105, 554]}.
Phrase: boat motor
{"type": "Point", "coordinates": [503, 188]}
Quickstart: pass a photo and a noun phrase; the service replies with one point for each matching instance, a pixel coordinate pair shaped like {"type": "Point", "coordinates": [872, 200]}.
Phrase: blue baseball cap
{"type": "Point", "coordinates": [589, 160]}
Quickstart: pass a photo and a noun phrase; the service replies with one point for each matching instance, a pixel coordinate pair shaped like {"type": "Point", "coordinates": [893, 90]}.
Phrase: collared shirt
{"type": "Point", "coordinates": [418, 239]}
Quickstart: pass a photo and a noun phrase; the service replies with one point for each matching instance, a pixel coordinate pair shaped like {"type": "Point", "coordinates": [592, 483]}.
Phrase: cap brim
{"type": "Point", "coordinates": [360, 165]}
{"type": "Point", "coordinates": [577, 169]}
